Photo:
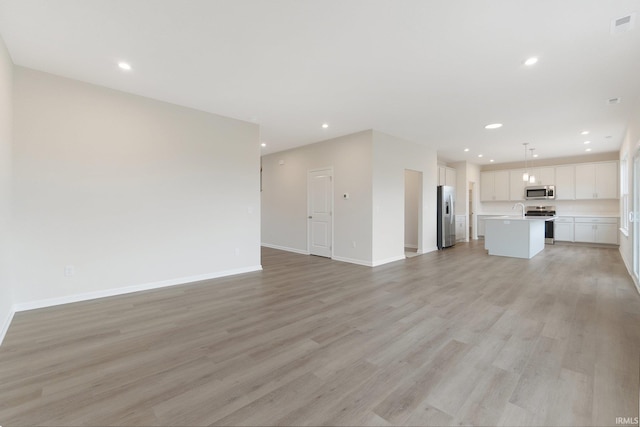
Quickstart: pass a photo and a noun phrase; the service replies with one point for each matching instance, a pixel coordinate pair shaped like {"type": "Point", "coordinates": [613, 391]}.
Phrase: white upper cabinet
{"type": "Point", "coordinates": [516, 185]}
{"type": "Point", "coordinates": [450, 176]}
{"type": "Point", "coordinates": [494, 186]}
{"type": "Point", "coordinates": [565, 182]}
{"type": "Point", "coordinates": [501, 189]}
{"type": "Point", "coordinates": [585, 182]}
{"type": "Point", "coordinates": [607, 180]}
{"type": "Point", "coordinates": [487, 181]}
{"type": "Point", "coordinates": [446, 176]}
{"type": "Point", "coordinates": [544, 176]}
{"type": "Point", "coordinates": [597, 180]}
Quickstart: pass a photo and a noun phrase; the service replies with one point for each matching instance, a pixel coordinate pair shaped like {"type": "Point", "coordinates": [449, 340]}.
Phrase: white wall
{"type": "Point", "coordinates": [412, 195]}
{"type": "Point", "coordinates": [391, 156]}
{"type": "Point", "coordinates": [284, 196]}
{"type": "Point", "coordinates": [6, 138]}
{"type": "Point", "coordinates": [134, 193]}
{"type": "Point", "coordinates": [368, 165]}
{"type": "Point", "coordinates": [630, 146]}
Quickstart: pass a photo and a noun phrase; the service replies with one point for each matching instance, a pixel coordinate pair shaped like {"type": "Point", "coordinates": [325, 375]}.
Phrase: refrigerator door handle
{"type": "Point", "coordinates": [451, 219]}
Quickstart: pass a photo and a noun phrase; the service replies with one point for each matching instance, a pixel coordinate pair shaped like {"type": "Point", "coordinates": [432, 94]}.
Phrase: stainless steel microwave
{"type": "Point", "coordinates": [540, 192]}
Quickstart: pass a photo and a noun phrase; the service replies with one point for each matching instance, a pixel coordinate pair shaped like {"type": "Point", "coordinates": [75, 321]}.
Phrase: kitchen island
{"type": "Point", "coordinates": [515, 236]}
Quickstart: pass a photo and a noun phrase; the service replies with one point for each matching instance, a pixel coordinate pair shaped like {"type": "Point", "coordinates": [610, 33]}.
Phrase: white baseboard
{"type": "Point", "coordinates": [388, 260]}
{"type": "Point", "coordinates": [369, 263]}
{"type": "Point", "coordinates": [353, 261]}
{"type": "Point", "coordinates": [49, 302]}
{"type": "Point", "coordinates": [5, 324]}
{"type": "Point", "coordinates": [432, 249]}
{"type": "Point", "coordinates": [410, 246]}
{"type": "Point", "coordinates": [285, 248]}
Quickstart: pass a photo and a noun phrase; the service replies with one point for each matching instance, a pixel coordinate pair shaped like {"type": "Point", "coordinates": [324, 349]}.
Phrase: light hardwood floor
{"type": "Point", "coordinates": [452, 337]}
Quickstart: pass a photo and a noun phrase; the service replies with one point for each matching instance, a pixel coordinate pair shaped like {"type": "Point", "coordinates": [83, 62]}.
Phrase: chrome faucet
{"type": "Point", "coordinates": [521, 204]}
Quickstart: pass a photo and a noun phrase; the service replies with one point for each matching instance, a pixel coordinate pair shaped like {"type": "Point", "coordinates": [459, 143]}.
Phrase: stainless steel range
{"type": "Point", "coordinates": [544, 211]}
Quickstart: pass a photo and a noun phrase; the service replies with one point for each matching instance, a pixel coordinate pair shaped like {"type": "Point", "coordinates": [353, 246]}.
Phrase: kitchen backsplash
{"type": "Point", "coordinates": [563, 207]}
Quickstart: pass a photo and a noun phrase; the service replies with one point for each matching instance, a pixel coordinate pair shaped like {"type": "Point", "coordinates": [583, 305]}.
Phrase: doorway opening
{"type": "Point", "coordinates": [412, 213]}
{"type": "Point", "coordinates": [470, 216]}
{"type": "Point", "coordinates": [320, 212]}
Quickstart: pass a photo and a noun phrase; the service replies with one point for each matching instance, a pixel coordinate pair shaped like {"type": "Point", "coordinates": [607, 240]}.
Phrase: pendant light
{"type": "Point", "coordinates": [525, 175]}
{"type": "Point", "coordinates": [532, 177]}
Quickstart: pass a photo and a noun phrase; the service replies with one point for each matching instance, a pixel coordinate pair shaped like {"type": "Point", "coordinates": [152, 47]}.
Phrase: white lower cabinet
{"type": "Point", "coordinates": [584, 232]}
{"type": "Point", "coordinates": [607, 233]}
{"type": "Point", "coordinates": [481, 223]}
{"type": "Point", "coordinates": [563, 229]}
{"type": "Point", "coordinates": [577, 229]}
{"type": "Point", "coordinates": [596, 230]}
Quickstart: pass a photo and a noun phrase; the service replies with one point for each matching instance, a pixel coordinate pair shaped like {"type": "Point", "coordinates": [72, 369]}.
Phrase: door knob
{"type": "Point", "coordinates": [309, 217]}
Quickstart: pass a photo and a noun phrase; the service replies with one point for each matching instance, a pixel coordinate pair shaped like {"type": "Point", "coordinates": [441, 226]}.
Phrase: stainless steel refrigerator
{"type": "Point", "coordinates": [446, 219]}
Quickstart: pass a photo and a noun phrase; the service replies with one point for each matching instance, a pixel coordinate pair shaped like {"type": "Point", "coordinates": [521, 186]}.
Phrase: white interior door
{"type": "Point", "coordinates": [635, 215]}
{"type": "Point", "coordinates": [320, 212]}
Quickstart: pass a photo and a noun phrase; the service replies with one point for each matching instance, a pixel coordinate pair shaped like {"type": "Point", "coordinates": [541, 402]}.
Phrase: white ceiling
{"type": "Point", "coordinates": [430, 71]}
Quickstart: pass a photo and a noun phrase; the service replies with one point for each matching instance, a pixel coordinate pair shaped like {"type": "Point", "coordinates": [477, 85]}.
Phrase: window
{"type": "Point", "coordinates": [624, 194]}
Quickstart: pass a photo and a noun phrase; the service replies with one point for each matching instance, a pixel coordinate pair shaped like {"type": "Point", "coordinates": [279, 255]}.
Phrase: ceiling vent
{"type": "Point", "coordinates": [623, 24]}
{"type": "Point", "coordinates": [612, 101]}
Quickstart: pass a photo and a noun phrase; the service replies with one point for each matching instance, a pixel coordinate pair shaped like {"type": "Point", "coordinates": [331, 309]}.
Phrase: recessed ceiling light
{"type": "Point", "coordinates": [491, 160]}
{"type": "Point", "coordinates": [493, 126]}
{"type": "Point", "coordinates": [479, 155]}
{"type": "Point", "coordinates": [124, 66]}
{"type": "Point", "coordinates": [325, 125]}
{"type": "Point", "coordinates": [530, 61]}
{"type": "Point", "coordinates": [535, 155]}
{"type": "Point", "coordinates": [264, 144]}
{"type": "Point", "coordinates": [587, 142]}
{"type": "Point", "coordinates": [584, 132]}
{"type": "Point", "coordinates": [466, 149]}
{"type": "Point", "coordinates": [588, 149]}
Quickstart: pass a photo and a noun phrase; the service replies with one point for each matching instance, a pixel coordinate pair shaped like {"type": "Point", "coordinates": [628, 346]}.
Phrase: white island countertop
{"type": "Point", "coordinates": [562, 214]}
{"type": "Point", "coordinates": [514, 235]}
{"type": "Point", "coordinates": [523, 218]}
{"type": "Point", "coordinates": [595, 215]}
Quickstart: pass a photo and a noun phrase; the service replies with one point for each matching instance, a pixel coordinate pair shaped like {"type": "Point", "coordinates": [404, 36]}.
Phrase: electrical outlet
{"type": "Point", "coordinates": [69, 270]}
{"type": "Point", "coordinates": [353, 244]}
